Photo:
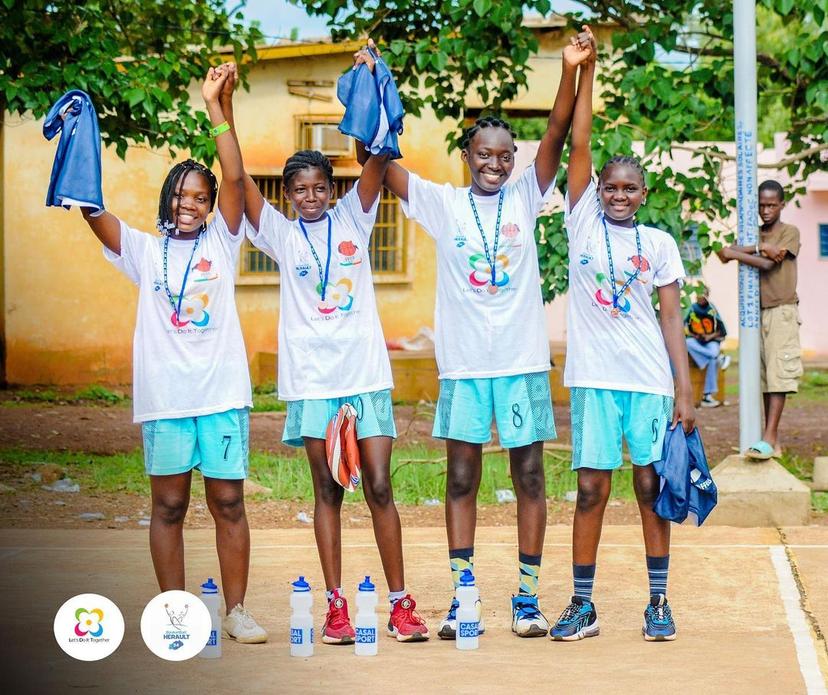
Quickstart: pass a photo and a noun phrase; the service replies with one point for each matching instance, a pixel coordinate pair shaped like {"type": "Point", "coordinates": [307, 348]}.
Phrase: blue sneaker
{"type": "Point", "coordinates": [578, 620]}
{"type": "Point", "coordinates": [658, 620]}
{"type": "Point", "coordinates": [448, 625]}
{"type": "Point", "coordinates": [527, 620]}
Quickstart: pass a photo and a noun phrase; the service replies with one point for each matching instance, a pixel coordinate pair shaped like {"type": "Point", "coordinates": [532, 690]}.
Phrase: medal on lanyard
{"type": "Point", "coordinates": [490, 259]}
{"type": "Point", "coordinates": [322, 306]}
{"type": "Point", "coordinates": [615, 312]}
{"type": "Point", "coordinates": [177, 307]}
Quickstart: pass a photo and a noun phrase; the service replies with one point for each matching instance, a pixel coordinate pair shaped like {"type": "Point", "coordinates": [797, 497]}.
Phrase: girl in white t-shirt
{"type": "Point", "coordinates": [190, 377]}
{"type": "Point", "coordinates": [618, 362]}
{"type": "Point", "coordinates": [332, 352]}
{"type": "Point", "coordinates": [491, 342]}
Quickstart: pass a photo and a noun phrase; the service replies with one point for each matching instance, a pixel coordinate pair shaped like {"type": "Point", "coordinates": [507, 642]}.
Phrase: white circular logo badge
{"type": "Point", "coordinates": [176, 625]}
{"type": "Point", "coordinates": [89, 627]}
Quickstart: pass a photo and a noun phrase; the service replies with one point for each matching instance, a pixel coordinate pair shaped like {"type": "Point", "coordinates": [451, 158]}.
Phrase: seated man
{"type": "Point", "coordinates": [705, 331]}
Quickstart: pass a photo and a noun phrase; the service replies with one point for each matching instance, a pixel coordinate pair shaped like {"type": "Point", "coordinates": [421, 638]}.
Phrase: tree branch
{"type": "Point", "coordinates": [781, 164]}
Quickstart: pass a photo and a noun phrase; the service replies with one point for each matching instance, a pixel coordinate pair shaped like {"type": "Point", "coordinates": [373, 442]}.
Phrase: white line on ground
{"type": "Point", "coordinates": [801, 631]}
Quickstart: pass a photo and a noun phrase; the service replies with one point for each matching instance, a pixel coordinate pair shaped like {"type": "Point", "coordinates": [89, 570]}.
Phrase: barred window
{"type": "Point", "coordinates": [387, 248]}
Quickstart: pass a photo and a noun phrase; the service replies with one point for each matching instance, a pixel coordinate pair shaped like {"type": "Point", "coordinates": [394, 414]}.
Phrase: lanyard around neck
{"type": "Point", "coordinates": [323, 278]}
{"type": "Point", "coordinates": [491, 259]}
{"type": "Point", "coordinates": [616, 295]}
{"type": "Point", "coordinates": [177, 307]}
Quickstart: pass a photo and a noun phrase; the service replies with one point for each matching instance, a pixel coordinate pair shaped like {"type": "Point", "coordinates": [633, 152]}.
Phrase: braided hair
{"type": "Point", "coordinates": [623, 160]}
{"type": "Point", "coordinates": [173, 185]}
{"type": "Point", "coordinates": [485, 122]}
{"type": "Point", "coordinates": [307, 159]}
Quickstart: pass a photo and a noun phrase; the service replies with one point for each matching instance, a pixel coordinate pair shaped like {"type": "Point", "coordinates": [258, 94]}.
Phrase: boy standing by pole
{"type": "Point", "coordinates": [781, 356]}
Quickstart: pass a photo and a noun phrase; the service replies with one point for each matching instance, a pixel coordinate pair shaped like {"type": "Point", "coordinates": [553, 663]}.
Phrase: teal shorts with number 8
{"type": "Point", "coordinates": [216, 444]}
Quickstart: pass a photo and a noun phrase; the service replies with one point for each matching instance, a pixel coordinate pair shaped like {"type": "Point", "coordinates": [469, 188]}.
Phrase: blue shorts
{"type": "Point", "coordinates": [310, 417]}
{"type": "Point", "coordinates": [216, 444]}
{"type": "Point", "coordinates": [522, 407]}
{"type": "Point", "coordinates": [602, 417]}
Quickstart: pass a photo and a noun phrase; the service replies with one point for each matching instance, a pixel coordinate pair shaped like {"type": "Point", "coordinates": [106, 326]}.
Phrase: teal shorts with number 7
{"type": "Point", "coordinates": [216, 444]}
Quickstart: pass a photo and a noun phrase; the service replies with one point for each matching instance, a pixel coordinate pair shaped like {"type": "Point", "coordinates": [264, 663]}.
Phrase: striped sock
{"type": "Point", "coordinates": [529, 573]}
{"type": "Point", "coordinates": [584, 578]}
{"type": "Point", "coordinates": [657, 568]}
{"type": "Point", "coordinates": [460, 559]}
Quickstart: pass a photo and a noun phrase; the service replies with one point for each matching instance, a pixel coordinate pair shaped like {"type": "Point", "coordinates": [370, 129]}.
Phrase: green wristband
{"type": "Point", "coordinates": [219, 129]}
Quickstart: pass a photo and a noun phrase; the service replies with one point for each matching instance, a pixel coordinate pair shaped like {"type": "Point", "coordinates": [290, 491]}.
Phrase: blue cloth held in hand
{"type": "Point", "coordinates": [76, 172]}
{"type": "Point", "coordinates": [687, 488]}
{"type": "Point", "coordinates": [373, 110]}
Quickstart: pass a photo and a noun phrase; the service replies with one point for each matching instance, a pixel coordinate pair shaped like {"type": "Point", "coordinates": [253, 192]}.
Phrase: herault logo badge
{"type": "Point", "coordinates": [89, 627]}
{"type": "Point", "coordinates": [175, 625]}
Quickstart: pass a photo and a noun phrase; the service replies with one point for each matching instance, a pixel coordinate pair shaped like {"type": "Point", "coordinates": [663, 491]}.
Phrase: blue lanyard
{"type": "Point", "coordinates": [177, 307]}
{"type": "Point", "coordinates": [322, 278]}
{"type": "Point", "coordinates": [490, 259]}
{"type": "Point", "coordinates": [617, 295]}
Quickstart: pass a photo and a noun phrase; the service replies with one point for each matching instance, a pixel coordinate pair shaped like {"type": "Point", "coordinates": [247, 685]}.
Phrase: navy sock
{"type": "Point", "coordinates": [657, 568]}
{"type": "Point", "coordinates": [584, 578]}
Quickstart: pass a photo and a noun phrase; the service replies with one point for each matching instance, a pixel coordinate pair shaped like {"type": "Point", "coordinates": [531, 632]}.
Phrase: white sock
{"type": "Point", "coordinates": [330, 594]}
{"type": "Point", "coordinates": [394, 596]}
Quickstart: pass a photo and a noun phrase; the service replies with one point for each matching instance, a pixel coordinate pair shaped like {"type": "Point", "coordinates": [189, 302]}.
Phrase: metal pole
{"type": "Point", "coordinates": [744, 62]}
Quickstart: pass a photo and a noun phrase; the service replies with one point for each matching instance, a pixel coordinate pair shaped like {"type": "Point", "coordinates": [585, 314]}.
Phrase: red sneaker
{"type": "Point", "coordinates": [337, 628]}
{"type": "Point", "coordinates": [405, 624]}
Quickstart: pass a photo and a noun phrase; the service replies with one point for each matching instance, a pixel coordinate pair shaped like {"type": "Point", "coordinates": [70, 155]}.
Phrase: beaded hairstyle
{"type": "Point", "coordinates": [623, 160]}
{"type": "Point", "coordinates": [173, 185]}
{"type": "Point", "coordinates": [307, 159]}
{"type": "Point", "coordinates": [485, 122]}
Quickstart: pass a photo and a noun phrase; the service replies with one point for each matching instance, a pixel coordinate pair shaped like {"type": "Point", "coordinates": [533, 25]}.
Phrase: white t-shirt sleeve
{"type": "Point", "coordinates": [530, 193]}
{"type": "Point", "coordinates": [669, 267]}
{"type": "Point", "coordinates": [134, 245]}
{"type": "Point", "coordinates": [231, 241]}
{"type": "Point", "coordinates": [351, 206]}
{"type": "Point", "coordinates": [585, 214]}
{"type": "Point", "coordinates": [429, 204]}
{"type": "Point", "coordinates": [273, 229]}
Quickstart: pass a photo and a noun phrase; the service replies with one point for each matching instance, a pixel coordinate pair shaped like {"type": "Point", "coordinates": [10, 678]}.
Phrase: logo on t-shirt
{"type": "Point", "coordinates": [338, 296]}
{"type": "Point", "coordinates": [585, 258]}
{"type": "Point", "coordinates": [203, 271]}
{"type": "Point", "coordinates": [603, 295]}
{"type": "Point", "coordinates": [348, 253]}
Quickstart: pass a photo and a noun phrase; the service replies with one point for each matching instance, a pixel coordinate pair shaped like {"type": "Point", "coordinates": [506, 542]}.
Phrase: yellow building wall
{"type": "Point", "coordinates": [69, 315]}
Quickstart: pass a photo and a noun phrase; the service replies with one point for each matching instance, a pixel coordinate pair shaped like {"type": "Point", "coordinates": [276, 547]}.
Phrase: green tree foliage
{"type": "Point", "coordinates": [135, 58]}
{"type": "Point", "coordinates": [666, 81]}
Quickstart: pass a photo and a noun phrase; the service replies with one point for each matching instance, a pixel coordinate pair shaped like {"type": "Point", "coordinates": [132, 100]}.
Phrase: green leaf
{"type": "Point", "coordinates": [481, 7]}
{"type": "Point", "coordinates": [134, 95]}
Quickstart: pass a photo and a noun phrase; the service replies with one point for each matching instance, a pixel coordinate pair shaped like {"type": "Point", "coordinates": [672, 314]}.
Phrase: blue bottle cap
{"type": "Point", "coordinates": [301, 585]}
{"type": "Point", "coordinates": [366, 585]}
{"type": "Point", "coordinates": [209, 587]}
{"type": "Point", "coordinates": [466, 578]}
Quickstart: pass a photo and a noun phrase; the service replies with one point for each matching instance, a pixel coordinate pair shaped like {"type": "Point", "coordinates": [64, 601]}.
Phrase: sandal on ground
{"type": "Point", "coordinates": [761, 451]}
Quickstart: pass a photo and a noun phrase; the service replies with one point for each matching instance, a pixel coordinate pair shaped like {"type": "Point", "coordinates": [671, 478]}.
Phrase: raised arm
{"type": "Point", "coordinates": [548, 159]}
{"type": "Point", "coordinates": [579, 172]}
{"type": "Point", "coordinates": [370, 183]}
{"type": "Point", "coordinates": [106, 226]}
{"type": "Point", "coordinates": [231, 192]}
{"type": "Point", "coordinates": [672, 328]}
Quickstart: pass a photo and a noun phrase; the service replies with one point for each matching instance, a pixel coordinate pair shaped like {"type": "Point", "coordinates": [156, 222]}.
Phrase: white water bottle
{"type": "Point", "coordinates": [210, 598]}
{"type": "Point", "coordinates": [468, 624]}
{"type": "Point", "coordinates": [365, 625]}
{"type": "Point", "coordinates": [301, 620]}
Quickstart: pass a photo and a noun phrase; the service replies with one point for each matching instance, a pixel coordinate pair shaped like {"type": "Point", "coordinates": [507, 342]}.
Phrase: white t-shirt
{"type": "Point", "coordinates": [198, 365]}
{"type": "Point", "coordinates": [627, 352]}
{"type": "Point", "coordinates": [331, 348]}
{"type": "Point", "coordinates": [479, 334]}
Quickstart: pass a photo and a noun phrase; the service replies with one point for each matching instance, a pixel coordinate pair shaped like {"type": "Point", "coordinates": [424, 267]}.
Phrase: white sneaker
{"type": "Point", "coordinates": [242, 627]}
{"type": "Point", "coordinates": [527, 620]}
{"type": "Point", "coordinates": [709, 402]}
{"type": "Point", "coordinates": [724, 361]}
{"type": "Point", "coordinates": [448, 625]}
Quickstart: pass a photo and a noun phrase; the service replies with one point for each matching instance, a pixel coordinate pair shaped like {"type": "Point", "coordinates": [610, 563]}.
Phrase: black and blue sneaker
{"type": "Point", "coordinates": [578, 620]}
{"type": "Point", "coordinates": [658, 620]}
{"type": "Point", "coordinates": [527, 620]}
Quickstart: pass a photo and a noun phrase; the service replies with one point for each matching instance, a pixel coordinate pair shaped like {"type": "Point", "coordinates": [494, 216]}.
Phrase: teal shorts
{"type": "Point", "coordinates": [217, 444]}
{"type": "Point", "coordinates": [522, 407]}
{"type": "Point", "coordinates": [602, 417]}
{"type": "Point", "coordinates": [310, 417]}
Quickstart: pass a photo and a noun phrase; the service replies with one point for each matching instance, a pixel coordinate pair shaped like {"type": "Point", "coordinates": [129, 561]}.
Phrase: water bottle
{"type": "Point", "coordinates": [210, 598]}
{"type": "Point", "coordinates": [366, 620]}
{"type": "Point", "coordinates": [467, 617]}
{"type": "Point", "coordinates": [301, 620]}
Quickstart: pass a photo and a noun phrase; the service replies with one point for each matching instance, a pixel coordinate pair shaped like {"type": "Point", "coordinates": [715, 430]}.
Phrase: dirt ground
{"type": "Point", "coordinates": [733, 636]}
{"type": "Point", "coordinates": [109, 430]}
